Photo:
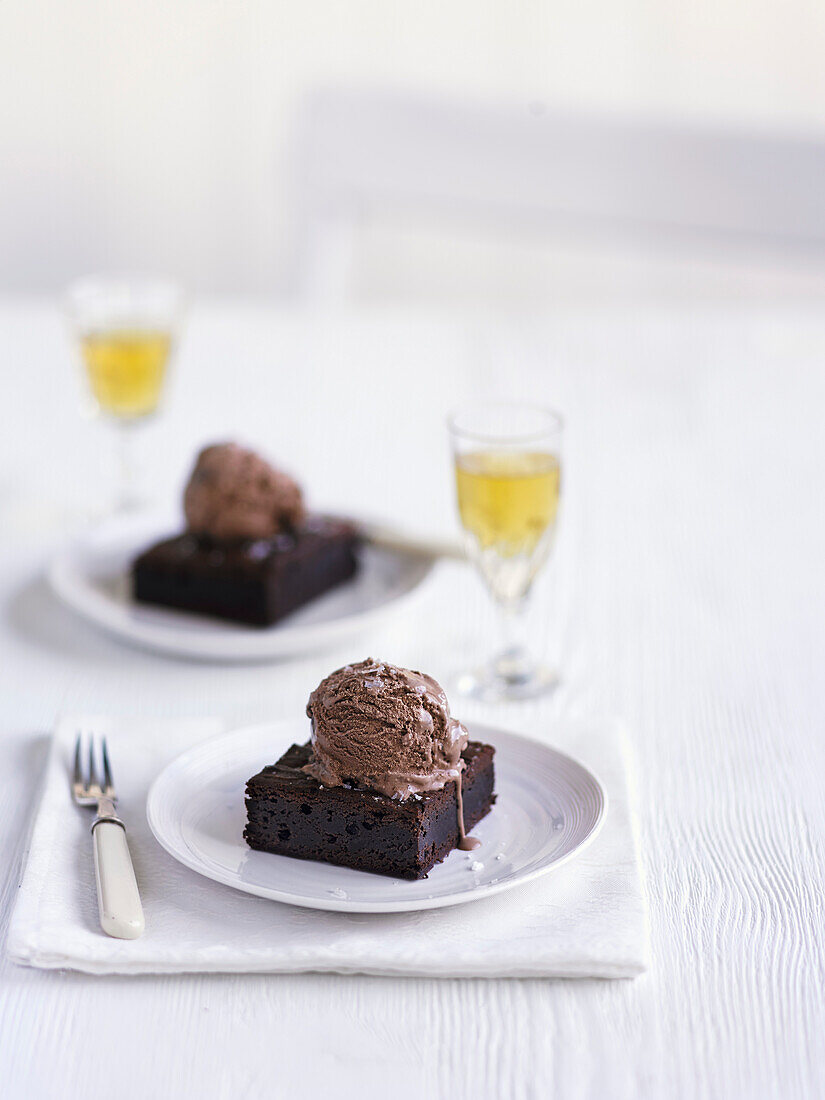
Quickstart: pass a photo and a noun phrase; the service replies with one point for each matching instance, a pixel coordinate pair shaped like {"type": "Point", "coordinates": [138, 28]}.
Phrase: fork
{"type": "Point", "coordinates": [118, 900]}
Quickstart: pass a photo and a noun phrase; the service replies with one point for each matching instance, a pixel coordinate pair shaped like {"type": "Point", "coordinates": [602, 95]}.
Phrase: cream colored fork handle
{"type": "Point", "coordinates": [390, 539]}
{"type": "Point", "coordinates": [121, 913]}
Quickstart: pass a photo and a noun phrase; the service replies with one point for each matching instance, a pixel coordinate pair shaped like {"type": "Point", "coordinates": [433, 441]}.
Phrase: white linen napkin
{"type": "Point", "coordinates": [587, 919]}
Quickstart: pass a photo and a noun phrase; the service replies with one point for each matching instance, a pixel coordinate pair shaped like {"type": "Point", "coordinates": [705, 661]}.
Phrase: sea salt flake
{"type": "Point", "coordinates": [476, 865]}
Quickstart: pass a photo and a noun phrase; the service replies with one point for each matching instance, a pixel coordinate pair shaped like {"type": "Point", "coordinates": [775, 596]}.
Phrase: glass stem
{"type": "Point", "coordinates": [127, 497]}
{"type": "Point", "coordinates": [513, 663]}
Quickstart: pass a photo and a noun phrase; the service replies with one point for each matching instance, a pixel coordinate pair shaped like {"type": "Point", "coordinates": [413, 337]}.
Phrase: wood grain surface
{"type": "Point", "coordinates": [688, 600]}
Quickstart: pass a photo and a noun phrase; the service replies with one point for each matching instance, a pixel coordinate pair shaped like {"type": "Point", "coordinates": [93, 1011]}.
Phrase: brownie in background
{"type": "Point", "coordinates": [254, 581]}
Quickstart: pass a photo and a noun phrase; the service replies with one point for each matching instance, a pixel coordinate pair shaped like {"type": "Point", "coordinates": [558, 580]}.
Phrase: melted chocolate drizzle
{"type": "Point", "coordinates": [465, 843]}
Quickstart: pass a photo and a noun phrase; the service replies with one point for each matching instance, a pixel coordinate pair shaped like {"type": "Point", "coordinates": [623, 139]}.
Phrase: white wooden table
{"type": "Point", "coordinates": [694, 585]}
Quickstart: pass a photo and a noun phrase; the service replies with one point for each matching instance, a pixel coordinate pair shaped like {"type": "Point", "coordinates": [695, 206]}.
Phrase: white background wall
{"type": "Point", "coordinates": [153, 133]}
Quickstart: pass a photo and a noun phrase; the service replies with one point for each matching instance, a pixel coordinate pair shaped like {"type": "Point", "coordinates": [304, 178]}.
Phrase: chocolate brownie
{"type": "Point", "coordinates": [292, 814]}
{"type": "Point", "coordinates": [255, 581]}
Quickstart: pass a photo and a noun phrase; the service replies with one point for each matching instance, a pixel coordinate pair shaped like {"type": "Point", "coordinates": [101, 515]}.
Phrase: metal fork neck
{"type": "Point", "coordinates": [106, 812]}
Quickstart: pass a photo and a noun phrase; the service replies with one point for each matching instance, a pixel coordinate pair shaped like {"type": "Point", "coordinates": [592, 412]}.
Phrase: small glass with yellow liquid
{"type": "Point", "coordinates": [508, 483]}
{"type": "Point", "coordinates": [126, 369]}
{"type": "Point", "coordinates": [125, 327]}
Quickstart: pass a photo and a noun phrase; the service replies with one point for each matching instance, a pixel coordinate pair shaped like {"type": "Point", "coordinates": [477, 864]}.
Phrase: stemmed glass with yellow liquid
{"type": "Point", "coordinates": [125, 326]}
{"type": "Point", "coordinates": [508, 481]}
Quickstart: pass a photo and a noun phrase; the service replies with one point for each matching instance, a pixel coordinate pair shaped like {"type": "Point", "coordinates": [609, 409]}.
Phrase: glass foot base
{"type": "Point", "coordinates": [491, 685]}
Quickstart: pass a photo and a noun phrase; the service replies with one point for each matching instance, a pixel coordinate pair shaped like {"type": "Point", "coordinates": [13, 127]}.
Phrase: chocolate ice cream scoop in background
{"type": "Point", "coordinates": [388, 729]}
{"type": "Point", "coordinates": [233, 493]}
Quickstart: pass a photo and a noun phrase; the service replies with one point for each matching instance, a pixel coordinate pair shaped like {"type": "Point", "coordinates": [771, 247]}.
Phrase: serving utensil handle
{"type": "Point", "coordinates": [118, 899]}
{"type": "Point", "coordinates": [389, 538]}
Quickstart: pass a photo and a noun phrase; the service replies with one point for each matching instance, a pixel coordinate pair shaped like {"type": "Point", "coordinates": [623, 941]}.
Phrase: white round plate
{"type": "Point", "coordinates": [92, 578]}
{"type": "Point", "coordinates": [548, 808]}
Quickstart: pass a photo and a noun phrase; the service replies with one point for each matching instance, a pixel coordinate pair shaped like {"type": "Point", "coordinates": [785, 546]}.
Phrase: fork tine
{"type": "Point", "coordinates": [92, 768]}
{"type": "Point", "coordinates": [77, 775]}
{"type": "Point", "coordinates": [107, 771]}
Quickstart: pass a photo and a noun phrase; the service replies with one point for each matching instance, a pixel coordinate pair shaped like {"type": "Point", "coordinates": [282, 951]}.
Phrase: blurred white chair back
{"type": "Point", "coordinates": [361, 156]}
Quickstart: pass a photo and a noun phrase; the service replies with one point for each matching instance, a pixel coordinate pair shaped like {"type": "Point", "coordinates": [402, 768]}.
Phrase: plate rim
{"type": "Point", "coordinates": [214, 648]}
{"type": "Point", "coordinates": [347, 905]}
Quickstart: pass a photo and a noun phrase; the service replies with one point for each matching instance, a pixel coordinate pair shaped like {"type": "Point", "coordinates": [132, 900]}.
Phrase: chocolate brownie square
{"type": "Point", "coordinates": [257, 581]}
{"type": "Point", "coordinates": [292, 814]}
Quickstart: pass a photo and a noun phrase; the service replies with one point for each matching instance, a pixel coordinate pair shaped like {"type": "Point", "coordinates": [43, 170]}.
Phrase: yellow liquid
{"type": "Point", "coordinates": [507, 501]}
{"type": "Point", "coordinates": [126, 369]}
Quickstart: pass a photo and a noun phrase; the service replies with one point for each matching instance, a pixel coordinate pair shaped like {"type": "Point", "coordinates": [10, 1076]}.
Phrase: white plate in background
{"type": "Point", "coordinates": [92, 578]}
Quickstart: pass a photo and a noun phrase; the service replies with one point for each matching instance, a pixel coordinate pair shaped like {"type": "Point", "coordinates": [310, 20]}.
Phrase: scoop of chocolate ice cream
{"type": "Point", "coordinates": [234, 493]}
{"type": "Point", "coordinates": [385, 728]}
